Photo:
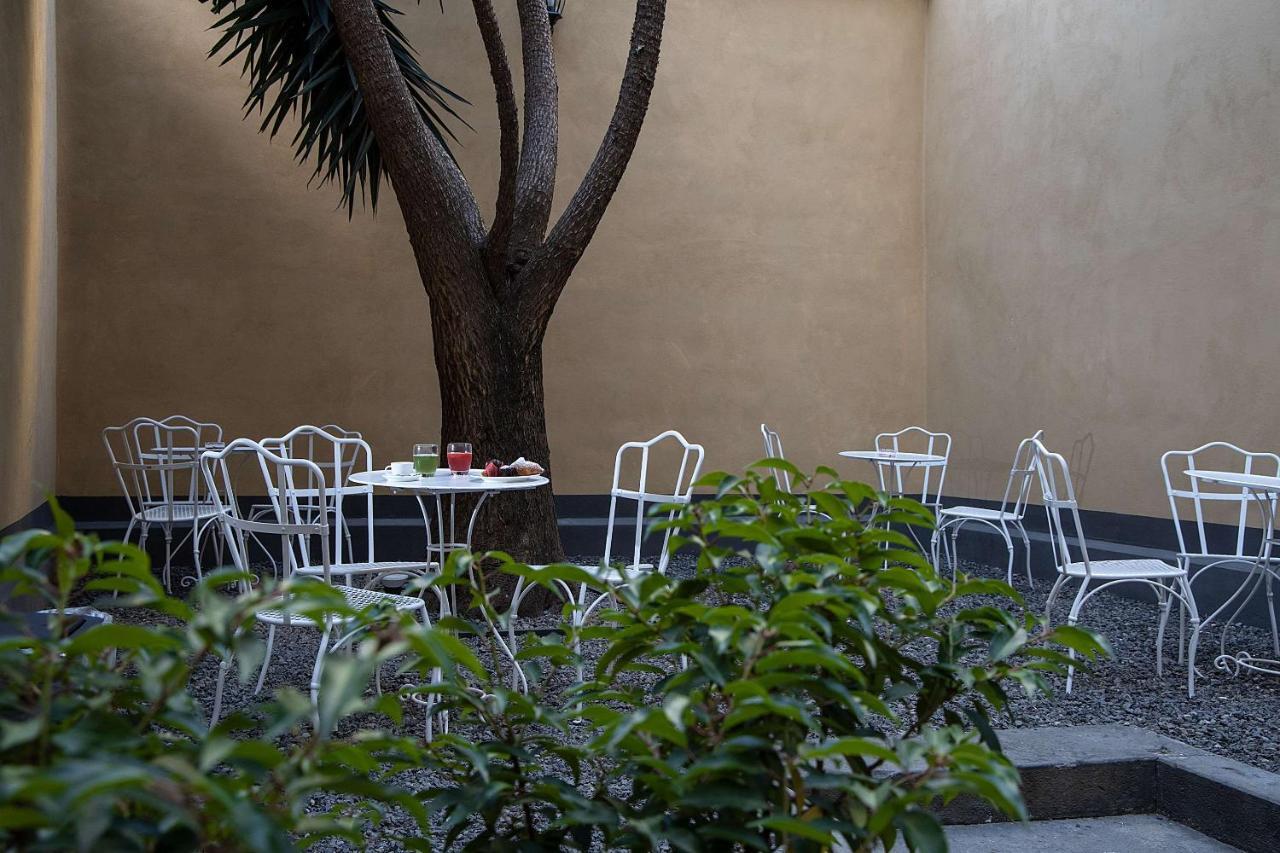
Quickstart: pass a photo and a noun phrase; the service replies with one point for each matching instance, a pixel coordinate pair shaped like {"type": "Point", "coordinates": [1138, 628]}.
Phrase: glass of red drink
{"type": "Point", "coordinates": [459, 457]}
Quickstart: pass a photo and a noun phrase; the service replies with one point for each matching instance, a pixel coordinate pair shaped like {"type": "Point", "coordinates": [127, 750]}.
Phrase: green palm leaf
{"type": "Point", "coordinates": [295, 63]}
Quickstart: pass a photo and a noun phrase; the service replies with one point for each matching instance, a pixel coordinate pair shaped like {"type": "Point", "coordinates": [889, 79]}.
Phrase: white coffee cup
{"type": "Point", "coordinates": [401, 469]}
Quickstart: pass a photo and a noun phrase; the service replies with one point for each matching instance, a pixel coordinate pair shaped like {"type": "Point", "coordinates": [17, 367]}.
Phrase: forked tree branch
{"type": "Point", "coordinates": [536, 178]}
{"type": "Point", "coordinates": [543, 279]}
{"type": "Point", "coordinates": [440, 211]}
{"type": "Point", "coordinates": [509, 138]}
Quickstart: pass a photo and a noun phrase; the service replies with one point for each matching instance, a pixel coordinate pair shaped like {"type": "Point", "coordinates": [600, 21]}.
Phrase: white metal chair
{"type": "Point", "coordinates": [773, 450]}
{"type": "Point", "coordinates": [609, 574]}
{"type": "Point", "coordinates": [156, 466]}
{"type": "Point", "coordinates": [263, 510]}
{"type": "Point", "coordinates": [1166, 581]}
{"type": "Point", "coordinates": [310, 499]}
{"type": "Point", "coordinates": [278, 476]}
{"type": "Point", "coordinates": [902, 480]}
{"type": "Point", "coordinates": [1202, 506]}
{"type": "Point", "coordinates": [1013, 508]}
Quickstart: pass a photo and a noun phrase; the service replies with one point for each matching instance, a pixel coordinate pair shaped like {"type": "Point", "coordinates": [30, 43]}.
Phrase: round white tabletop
{"type": "Point", "coordinates": [445, 482]}
{"type": "Point", "coordinates": [895, 457]}
{"type": "Point", "coordinates": [1254, 482]}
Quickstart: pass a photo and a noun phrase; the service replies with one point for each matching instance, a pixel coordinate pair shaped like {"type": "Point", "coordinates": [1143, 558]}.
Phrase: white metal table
{"type": "Point", "coordinates": [889, 466]}
{"type": "Point", "coordinates": [894, 461]}
{"type": "Point", "coordinates": [446, 484]}
{"type": "Point", "coordinates": [1264, 490]}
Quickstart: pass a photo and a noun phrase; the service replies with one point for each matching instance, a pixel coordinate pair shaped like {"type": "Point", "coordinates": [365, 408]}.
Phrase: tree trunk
{"type": "Point", "coordinates": [491, 395]}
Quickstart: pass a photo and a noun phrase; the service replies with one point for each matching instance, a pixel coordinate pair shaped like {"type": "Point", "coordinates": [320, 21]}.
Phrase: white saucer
{"type": "Point", "coordinates": [398, 478]}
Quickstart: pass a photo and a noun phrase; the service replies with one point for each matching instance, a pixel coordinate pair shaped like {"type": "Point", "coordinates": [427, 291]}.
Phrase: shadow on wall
{"type": "Point", "coordinates": [1079, 463]}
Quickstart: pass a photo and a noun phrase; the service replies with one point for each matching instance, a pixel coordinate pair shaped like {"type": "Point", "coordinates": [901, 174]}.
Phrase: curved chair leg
{"type": "Point", "coordinates": [316, 672]}
{"type": "Point", "coordinates": [938, 546]}
{"type": "Point", "coordinates": [513, 614]}
{"type": "Point", "coordinates": [1271, 612]}
{"type": "Point", "coordinates": [142, 537]}
{"type": "Point", "coordinates": [1026, 550]}
{"type": "Point", "coordinates": [1008, 546]}
{"type": "Point", "coordinates": [1190, 602]}
{"type": "Point", "coordinates": [223, 666]}
{"type": "Point", "coordinates": [1164, 600]}
{"type": "Point", "coordinates": [1182, 612]}
{"type": "Point", "coordinates": [1072, 617]}
{"type": "Point", "coordinates": [128, 531]}
{"type": "Point", "coordinates": [168, 555]}
{"type": "Point", "coordinates": [1053, 594]}
{"type": "Point", "coordinates": [196, 532]}
{"type": "Point", "coordinates": [955, 548]}
{"type": "Point", "coordinates": [266, 659]}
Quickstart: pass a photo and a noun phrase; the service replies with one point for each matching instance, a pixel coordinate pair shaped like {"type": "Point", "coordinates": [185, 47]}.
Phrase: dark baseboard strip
{"type": "Point", "coordinates": [41, 517]}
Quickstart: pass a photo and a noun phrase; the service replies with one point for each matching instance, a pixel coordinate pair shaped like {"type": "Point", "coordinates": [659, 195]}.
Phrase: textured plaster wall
{"type": "Point", "coordinates": [28, 271]}
{"type": "Point", "coordinates": [1102, 197]}
{"type": "Point", "coordinates": [761, 261]}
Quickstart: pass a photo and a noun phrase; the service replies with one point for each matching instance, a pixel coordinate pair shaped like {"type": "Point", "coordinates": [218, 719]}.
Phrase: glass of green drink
{"type": "Point", "coordinates": [426, 459]}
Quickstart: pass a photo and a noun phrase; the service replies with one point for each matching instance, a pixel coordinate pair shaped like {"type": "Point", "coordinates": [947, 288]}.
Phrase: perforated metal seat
{"type": "Point", "coordinates": [179, 512]}
{"type": "Point", "coordinates": [975, 512]}
{"type": "Point", "coordinates": [375, 567]}
{"type": "Point", "coordinates": [1123, 569]}
{"type": "Point", "coordinates": [355, 597]}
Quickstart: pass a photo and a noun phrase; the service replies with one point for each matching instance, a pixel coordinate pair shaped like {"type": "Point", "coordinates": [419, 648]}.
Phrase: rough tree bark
{"type": "Point", "coordinates": [492, 293]}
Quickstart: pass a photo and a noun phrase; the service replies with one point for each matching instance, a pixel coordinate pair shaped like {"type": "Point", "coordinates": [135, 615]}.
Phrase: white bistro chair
{"type": "Point", "coordinates": [156, 464]}
{"type": "Point", "coordinates": [262, 510]}
{"type": "Point", "coordinates": [773, 450]}
{"type": "Point", "coordinates": [278, 475]}
{"type": "Point", "coordinates": [921, 481]}
{"type": "Point", "coordinates": [323, 492]}
{"type": "Point", "coordinates": [608, 574]}
{"type": "Point", "coordinates": [1213, 522]}
{"type": "Point", "coordinates": [1013, 509]}
{"type": "Point", "coordinates": [1166, 581]}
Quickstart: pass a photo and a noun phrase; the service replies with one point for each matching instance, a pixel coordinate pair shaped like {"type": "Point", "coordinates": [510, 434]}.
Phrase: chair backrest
{"type": "Point", "coordinates": [320, 491]}
{"type": "Point", "coordinates": [773, 450]}
{"type": "Point", "coordinates": [645, 493]}
{"type": "Point", "coordinates": [1200, 504]}
{"type": "Point", "coordinates": [914, 439]}
{"type": "Point", "coordinates": [1019, 486]}
{"type": "Point", "coordinates": [156, 465]}
{"type": "Point", "coordinates": [1060, 507]}
{"type": "Point", "coordinates": [278, 475]}
{"type": "Point", "coordinates": [207, 432]}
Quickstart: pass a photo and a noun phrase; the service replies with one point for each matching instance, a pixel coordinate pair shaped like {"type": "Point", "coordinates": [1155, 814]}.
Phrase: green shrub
{"type": "Point", "coordinates": [102, 747]}
{"type": "Point", "coordinates": [814, 685]}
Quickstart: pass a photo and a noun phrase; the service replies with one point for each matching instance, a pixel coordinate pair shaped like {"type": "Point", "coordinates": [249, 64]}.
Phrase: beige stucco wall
{"type": "Point", "coordinates": [28, 271]}
{"type": "Point", "coordinates": [762, 260]}
{"type": "Point", "coordinates": [1103, 233]}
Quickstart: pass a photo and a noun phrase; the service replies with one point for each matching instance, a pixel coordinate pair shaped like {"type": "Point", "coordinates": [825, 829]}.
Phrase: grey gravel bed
{"type": "Point", "coordinates": [1230, 715]}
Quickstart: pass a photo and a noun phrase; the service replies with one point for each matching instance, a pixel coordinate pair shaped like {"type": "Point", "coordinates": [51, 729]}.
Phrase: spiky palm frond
{"type": "Point", "coordinates": [295, 63]}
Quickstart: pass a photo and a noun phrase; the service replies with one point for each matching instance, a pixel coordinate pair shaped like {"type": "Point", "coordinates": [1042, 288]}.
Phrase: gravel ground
{"type": "Point", "coordinates": [1230, 715]}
